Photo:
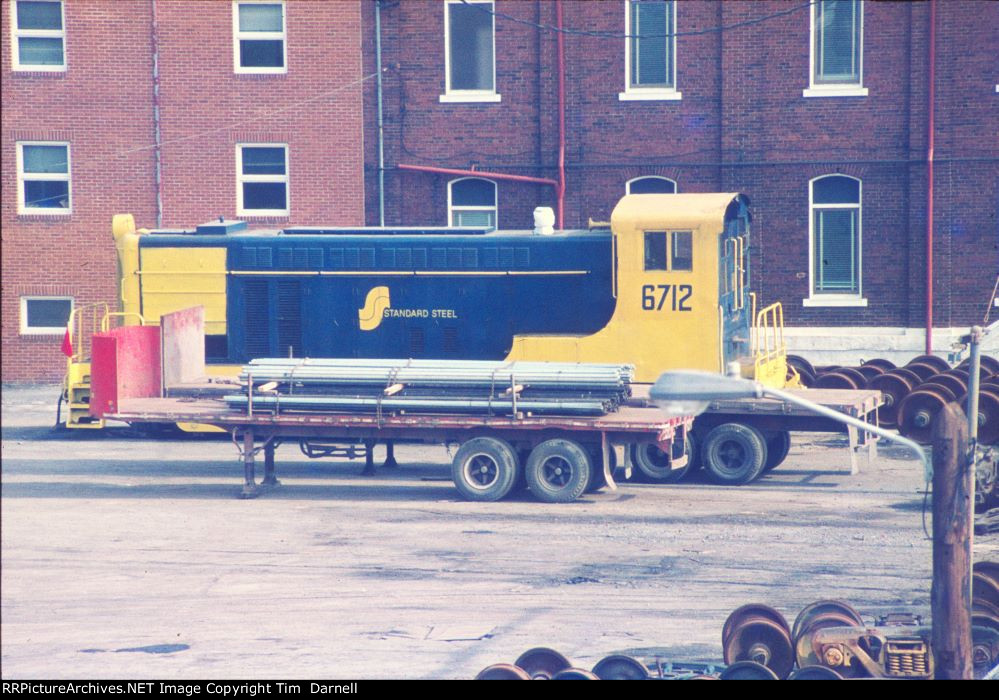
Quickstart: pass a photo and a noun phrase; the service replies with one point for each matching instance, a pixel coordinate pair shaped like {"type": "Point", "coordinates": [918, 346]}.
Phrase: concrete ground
{"type": "Point", "coordinates": [130, 558]}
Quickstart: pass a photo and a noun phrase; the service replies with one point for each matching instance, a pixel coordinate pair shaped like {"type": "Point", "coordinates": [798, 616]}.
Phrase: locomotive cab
{"type": "Point", "coordinates": [681, 270]}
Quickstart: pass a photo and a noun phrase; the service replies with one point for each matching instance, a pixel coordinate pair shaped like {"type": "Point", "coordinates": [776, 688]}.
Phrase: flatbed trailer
{"type": "Point", "coordinates": [730, 423]}
{"type": "Point", "coordinates": [559, 456]}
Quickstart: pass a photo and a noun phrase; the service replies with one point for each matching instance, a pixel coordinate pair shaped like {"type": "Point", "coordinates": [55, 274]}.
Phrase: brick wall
{"type": "Point", "coordinates": [103, 106]}
{"type": "Point", "coordinates": [743, 124]}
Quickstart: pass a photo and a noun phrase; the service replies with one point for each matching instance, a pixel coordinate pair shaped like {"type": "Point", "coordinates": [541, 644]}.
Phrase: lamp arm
{"type": "Point", "coordinates": [857, 423]}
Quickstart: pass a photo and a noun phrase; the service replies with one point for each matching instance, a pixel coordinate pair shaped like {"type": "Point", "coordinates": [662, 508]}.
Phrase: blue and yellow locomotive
{"type": "Point", "coordinates": [663, 286]}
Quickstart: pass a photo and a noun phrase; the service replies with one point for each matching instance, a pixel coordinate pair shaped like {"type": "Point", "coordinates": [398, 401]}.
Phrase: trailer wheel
{"type": "Point", "coordinates": [558, 471]}
{"type": "Point", "coordinates": [778, 445]}
{"type": "Point", "coordinates": [485, 469]}
{"type": "Point", "coordinates": [654, 464]}
{"type": "Point", "coordinates": [734, 454]}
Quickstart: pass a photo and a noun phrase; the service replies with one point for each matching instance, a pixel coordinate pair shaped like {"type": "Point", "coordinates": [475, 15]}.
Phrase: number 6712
{"type": "Point", "coordinates": [654, 296]}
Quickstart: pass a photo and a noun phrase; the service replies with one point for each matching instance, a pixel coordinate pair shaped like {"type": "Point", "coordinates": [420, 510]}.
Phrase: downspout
{"type": "Point", "coordinates": [381, 131]}
{"type": "Point", "coordinates": [560, 188]}
{"type": "Point", "coordinates": [931, 102]}
{"type": "Point", "coordinates": [157, 136]}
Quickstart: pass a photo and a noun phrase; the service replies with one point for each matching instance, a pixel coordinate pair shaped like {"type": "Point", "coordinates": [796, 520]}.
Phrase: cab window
{"type": "Point", "coordinates": [682, 252]}
{"type": "Point", "coordinates": [655, 250]}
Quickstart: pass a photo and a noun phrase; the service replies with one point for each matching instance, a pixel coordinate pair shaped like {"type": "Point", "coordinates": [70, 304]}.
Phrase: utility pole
{"type": "Point", "coordinates": [952, 509]}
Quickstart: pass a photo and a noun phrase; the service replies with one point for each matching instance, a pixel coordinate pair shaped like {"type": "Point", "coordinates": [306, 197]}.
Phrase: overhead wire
{"type": "Point", "coordinates": [625, 35]}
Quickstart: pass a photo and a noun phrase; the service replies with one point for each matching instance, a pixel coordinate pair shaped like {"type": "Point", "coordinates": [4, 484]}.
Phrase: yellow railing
{"type": "Point", "coordinates": [768, 346]}
{"type": "Point", "coordinates": [84, 321]}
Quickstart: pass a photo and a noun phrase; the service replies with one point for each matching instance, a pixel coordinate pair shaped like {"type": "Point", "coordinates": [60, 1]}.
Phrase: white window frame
{"type": "Point", "coordinates": [466, 95]}
{"type": "Point", "coordinates": [850, 299]}
{"type": "Point", "coordinates": [647, 93]}
{"type": "Point", "coordinates": [66, 177]}
{"type": "Point", "coordinates": [452, 208]}
{"type": "Point", "coordinates": [627, 185]}
{"type": "Point", "coordinates": [237, 36]}
{"type": "Point", "coordinates": [17, 34]}
{"type": "Point", "coordinates": [25, 329]}
{"type": "Point", "coordinates": [241, 179]}
{"type": "Point", "coordinates": [834, 89]}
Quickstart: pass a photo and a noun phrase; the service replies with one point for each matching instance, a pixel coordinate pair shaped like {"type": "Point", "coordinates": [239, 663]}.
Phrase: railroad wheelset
{"type": "Point", "coordinates": [894, 386]}
{"type": "Point", "coordinates": [984, 616]}
{"type": "Point", "coordinates": [989, 365]}
{"type": "Point", "coordinates": [938, 363]}
{"type": "Point", "coordinates": [757, 634]}
{"type": "Point", "coordinates": [871, 371]}
{"type": "Point", "coordinates": [503, 672]}
{"type": "Point", "coordinates": [919, 409]}
{"type": "Point", "coordinates": [823, 614]}
{"type": "Point", "coordinates": [542, 663]}
{"type": "Point", "coordinates": [925, 371]}
{"type": "Point", "coordinates": [886, 365]}
{"type": "Point", "coordinates": [841, 378]}
{"type": "Point", "coordinates": [618, 667]}
{"type": "Point", "coordinates": [988, 414]}
{"type": "Point", "coordinates": [958, 385]}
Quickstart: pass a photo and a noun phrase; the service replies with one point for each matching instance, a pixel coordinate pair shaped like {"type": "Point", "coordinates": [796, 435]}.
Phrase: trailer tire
{"type": "Point", "coordinates": [778, 445]}
{"type": "Point", "coordinates": [654, 464]}
{"type": "Point", "coordinates": [558, 471]}
{"type": "Point", "coordinates": [734, 454]}
{"type": "Point", "coordinates": [485, 469]}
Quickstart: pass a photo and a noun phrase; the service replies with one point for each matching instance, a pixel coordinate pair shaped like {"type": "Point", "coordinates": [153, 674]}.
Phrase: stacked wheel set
{"type": "Point", "coordinates": [914, 394]}
{"type": "Point", "coordinates": [829, 640]}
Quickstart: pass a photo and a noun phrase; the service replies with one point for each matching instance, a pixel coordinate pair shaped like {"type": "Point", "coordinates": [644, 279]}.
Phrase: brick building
{"type": "Point", "coordinates": [267, 110]}
{"type": "Point", "coordinates": [819, 112]}
{"type": "Point", "coordinates": [256, 107]}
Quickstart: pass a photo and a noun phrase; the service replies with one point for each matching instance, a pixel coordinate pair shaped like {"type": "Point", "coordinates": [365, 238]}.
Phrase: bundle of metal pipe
{"type": "Point", "coordinates": [433, 386]}
{"type": "Point", "coordinates": [440, 373]}
{"type": "Point", "coordinates": [353, 404]}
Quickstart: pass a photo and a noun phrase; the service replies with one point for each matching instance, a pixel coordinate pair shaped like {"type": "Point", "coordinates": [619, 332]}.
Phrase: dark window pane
{"type": "Point", "coordinates": [474, 218]}
{"type": "Point", "coordinates": [46, 194]}
{"type": "Point", "coordinates": [260, 18]}
{"type": "Point", "coordinates": [683, 250]}
{"type": "Point", "coordinates": [263, 161]}
{"type": "Point", "coordinates": [261, 53]}
{"type": "Point", "coordinates": [48, 313]}
{"type": "Point", "coordinates": [836, 189]}
{"type": "Point", "coordinates": [838, 41]}
{"type": "Point", "coordinates": [265, 195]}
{"type": "Point", "coordinates": [655, 250]}
{"type": "Point", "coordinates": [836, 251]}
{"type": "Point", "coordinates": [39, 15]}
{"type": "Point", "coordinates": [651, 185]}
{"type": "Point", "coordinates": [45, 159]}
{"type": "Point", "coordinates": [471, 46]}
{"type": "Point", "coordinates": [35, 51]}
{"type": "Point", "coordinates": [473, 192]}
{"type": "Point", "coordinates": [651, 53]}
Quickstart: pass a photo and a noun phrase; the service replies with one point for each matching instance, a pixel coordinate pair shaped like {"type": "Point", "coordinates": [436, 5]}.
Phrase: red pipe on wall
{"type": "Point", "coordinates": [479, 173]}
{"type": "Point", "coordinates": [931, 101]}
{"type": "Point", "coordinates": [560, 189]}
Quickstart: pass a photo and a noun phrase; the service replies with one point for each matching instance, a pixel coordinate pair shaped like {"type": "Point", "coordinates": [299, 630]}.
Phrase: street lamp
{"type": "Point", "coordinates": [688, 392]}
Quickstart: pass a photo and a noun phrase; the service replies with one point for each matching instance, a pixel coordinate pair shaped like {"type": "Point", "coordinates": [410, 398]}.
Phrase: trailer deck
{"type": "Point", "coordinates": [630, 424]}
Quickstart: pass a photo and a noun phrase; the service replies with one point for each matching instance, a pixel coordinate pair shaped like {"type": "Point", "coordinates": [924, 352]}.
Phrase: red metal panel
{"type": "Point", "coordinates": [183, 335]}
{"type": "Point", "coordinates": [125, 363]}
{"type": "Point", "coordinates": [103, 374]}
{"type": "Point", "coordinates": [138, 361]}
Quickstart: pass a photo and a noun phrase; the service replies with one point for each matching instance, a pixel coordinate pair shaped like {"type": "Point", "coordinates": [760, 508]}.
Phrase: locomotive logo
{"type": "Point", "coordinates": [371, 315]}
{"type": "Point", "coordinates": [378, 306]}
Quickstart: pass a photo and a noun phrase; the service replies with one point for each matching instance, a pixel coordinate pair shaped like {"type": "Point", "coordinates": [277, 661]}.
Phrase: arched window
{"type": "Point", "coordinates": [835, 233]}
{"type": "Point", "coordinates": [650, 185]}
{"type": "Point", "coordinates": [471, 201]}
